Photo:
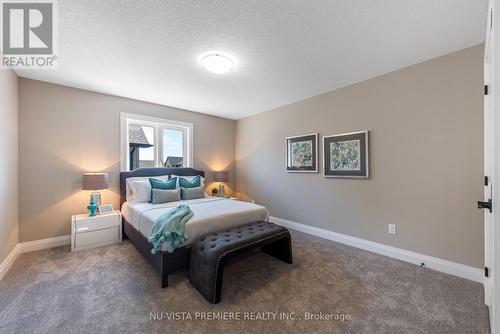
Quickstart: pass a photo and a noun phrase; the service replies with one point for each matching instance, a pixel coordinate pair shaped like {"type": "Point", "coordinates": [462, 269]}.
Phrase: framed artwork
{"type": "Point", "coordinates": [302, 153]}
{"type": "Point", "coordinates": [105, 209]}
{"type": "Point", "coordinates": [346, 155]}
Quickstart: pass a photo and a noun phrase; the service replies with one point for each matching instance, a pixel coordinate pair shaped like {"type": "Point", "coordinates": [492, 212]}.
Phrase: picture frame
{"type": "Point", "coordinates": [302, 153]}
{"type": "Point", "coordinates": [347, 155]}
{"type": "Point", "coordinates": [105, 209]}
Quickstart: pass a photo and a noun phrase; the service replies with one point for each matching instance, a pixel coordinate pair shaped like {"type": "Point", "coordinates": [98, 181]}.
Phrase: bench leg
{"type": "Point", "coordinates": [280, 249]}
{"type": "Point", "coordinates": [207, 278]}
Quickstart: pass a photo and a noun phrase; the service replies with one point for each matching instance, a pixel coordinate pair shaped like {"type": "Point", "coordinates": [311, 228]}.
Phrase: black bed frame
{"type": "Point", "coordinates": [163, 262]}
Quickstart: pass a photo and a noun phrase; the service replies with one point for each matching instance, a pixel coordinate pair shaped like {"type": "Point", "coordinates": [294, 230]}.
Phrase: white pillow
{"type": "Point", "coordinates": [141, 190]}
{"type": "Point", "coordinates": [129, 192]}
{"type": "Point", "coordinates": [189, 178]}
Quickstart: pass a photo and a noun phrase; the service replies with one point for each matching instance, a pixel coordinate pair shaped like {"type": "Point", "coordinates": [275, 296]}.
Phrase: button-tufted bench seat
{"type": "Point", "coordinates": [210, 251]}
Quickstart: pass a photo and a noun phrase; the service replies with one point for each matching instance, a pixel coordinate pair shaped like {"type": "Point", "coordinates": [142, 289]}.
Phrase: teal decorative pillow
{"type": "Point", "coordinates": [194, 183]}
{"type": "Point", "coordinates": [163, 196]}
{"type": "Point", "coordinates": [192, 193]}
{"type": "Point", "coordinates": [162, 184]}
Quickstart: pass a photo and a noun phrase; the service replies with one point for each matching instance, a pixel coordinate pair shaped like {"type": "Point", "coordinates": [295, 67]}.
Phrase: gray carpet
{"type": "Point", "coordinates": [113, 289]}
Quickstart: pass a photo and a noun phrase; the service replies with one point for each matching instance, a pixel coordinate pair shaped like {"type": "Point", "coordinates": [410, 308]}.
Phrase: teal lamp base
{"type": "Point", "coordinates": [92, 207]}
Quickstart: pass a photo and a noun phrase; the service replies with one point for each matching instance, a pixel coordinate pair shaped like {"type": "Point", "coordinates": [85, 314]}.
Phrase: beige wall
{"type": "Point", "coordinates": [426, 124]}
{"type": "Point", "coordinates": [65, 131]}
{"type": "Point", "coordinates": [8, 163]}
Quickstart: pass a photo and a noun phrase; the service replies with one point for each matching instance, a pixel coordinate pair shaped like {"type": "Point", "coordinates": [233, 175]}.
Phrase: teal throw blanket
{"type": "Point", "coordinates": [170, 227]}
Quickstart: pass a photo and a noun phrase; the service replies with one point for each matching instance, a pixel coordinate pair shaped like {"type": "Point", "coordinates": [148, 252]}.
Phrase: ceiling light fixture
{"type": "Point", "coordinates": [217, 63]}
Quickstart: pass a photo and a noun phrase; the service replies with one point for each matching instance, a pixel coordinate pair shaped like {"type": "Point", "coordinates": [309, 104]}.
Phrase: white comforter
{"type": "Point", "coordinates": [209, 214]}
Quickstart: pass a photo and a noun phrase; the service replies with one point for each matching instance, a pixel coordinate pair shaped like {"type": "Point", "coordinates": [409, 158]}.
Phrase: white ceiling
{"type": "Point", "coordinates": [285, 50]}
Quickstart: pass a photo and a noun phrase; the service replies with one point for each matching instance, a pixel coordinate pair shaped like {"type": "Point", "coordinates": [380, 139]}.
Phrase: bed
{"type": "Point", "coordinates": [210, 214]}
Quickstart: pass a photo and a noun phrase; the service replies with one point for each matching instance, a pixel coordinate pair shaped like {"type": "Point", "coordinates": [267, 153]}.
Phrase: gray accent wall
{"type": "Point", "coordinates": [8, 163]}
{"type": "Point", "coordinates": [426, 166]}
{"type": "Point", "coordinates": [65, 131]}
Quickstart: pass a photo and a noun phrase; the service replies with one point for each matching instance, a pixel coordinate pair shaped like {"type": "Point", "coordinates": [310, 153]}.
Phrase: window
{"type": "Point", "coordinates": [155, 142]}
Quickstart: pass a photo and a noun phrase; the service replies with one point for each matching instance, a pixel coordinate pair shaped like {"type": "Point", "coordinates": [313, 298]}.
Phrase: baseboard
{"type": "Point", "coordinates": [9, 260]}
{"type": "Point", "coordinates": [445, 266]}
{"type": "Point", "coordinates": [31, 246]}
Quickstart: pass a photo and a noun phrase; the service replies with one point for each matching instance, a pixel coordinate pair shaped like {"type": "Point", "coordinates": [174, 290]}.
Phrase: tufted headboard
{"type": "Point", "coordinates": [141, 172]}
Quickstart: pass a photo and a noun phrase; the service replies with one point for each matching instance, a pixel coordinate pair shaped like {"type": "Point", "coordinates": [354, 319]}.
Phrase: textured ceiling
{"type": "Point", "coordinates": [285, 50]}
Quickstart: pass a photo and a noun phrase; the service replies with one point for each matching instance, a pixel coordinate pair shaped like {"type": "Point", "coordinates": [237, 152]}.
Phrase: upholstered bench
{"type": "Point", "coordinates": [210, 251]}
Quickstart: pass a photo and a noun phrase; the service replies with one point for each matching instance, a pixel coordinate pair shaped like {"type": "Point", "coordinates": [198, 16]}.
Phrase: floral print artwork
{"type": "Point", "coordinates": [345, 155]}
{"type": "Point", "coordinates": [302, 154]}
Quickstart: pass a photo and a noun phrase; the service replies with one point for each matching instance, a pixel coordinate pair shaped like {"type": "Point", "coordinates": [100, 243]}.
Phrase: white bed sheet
{"type": "Point", "coordinates": [209, 214]}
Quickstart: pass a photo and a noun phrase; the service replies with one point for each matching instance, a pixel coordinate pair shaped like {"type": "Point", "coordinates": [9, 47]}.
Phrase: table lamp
{"type": "Point", "coordinates": [221, 177]}
{"type": "Point", "coordinates": [94, 182]}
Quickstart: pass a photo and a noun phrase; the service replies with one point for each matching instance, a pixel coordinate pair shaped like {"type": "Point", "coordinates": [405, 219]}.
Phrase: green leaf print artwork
{"type": "Point", "coordinates": [302, 154]}
{"type": "Point", "coordinates": [345, 155]}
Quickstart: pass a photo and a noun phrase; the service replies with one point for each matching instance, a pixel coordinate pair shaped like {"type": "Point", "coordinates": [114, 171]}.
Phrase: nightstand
{"type": "Point", "coordinates": [88, 232]}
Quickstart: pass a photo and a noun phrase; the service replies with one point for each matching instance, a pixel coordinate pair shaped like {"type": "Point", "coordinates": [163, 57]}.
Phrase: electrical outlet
{"type": "Point", "coordinates": [392, 229]}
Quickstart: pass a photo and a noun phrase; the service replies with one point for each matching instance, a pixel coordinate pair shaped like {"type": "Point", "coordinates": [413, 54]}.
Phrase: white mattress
{"type": "Point", "coordinates": [209, 214]}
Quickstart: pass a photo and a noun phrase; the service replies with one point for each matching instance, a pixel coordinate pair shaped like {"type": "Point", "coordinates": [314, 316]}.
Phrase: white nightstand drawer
{"type": "Point", "coordinates": [96, 223]}
{"type": "Point", "coordinates": [100, 230]}
{"type": "Point", "coordinates": [97, 238]}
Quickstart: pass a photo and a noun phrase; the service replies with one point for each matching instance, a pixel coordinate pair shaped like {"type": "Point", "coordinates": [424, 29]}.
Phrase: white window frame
{"type": "Point", "coordinates": [158, 124]}
{"type": "Point", "coordinates": [185, 134]}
